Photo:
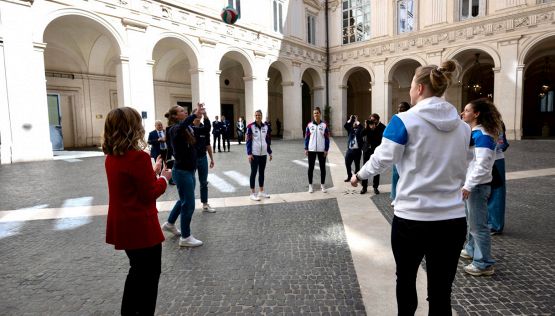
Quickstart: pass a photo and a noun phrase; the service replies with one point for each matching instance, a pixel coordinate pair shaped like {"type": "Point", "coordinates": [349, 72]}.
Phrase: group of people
{"type": "Point", "coordinates": [445, 172]}
{"type": "Point", "coordinates": [444, 167]}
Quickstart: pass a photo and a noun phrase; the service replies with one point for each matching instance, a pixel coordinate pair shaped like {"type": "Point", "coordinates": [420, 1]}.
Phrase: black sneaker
{"type": "Point", "coordinates": [347, 180]}
{"type": "Point", "coordinates": [364, 190]}
{"type": "Point", "coordinates": [376, 191]}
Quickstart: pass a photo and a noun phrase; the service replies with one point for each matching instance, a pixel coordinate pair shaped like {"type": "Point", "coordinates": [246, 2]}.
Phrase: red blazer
{"type": "Point", "coordinates": [133, 190]}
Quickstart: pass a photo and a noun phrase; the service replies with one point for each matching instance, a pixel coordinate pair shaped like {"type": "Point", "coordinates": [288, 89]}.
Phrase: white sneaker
{"type": "Point", "coordinates": [190, 242]}
{"type": "Point", "coordinates": [310, 189]}
{"type": "Point", "coordinates": [207, 208]}
{"type": "Point", "coordinates": [263, 194]}
{"type": "Point", "coordinates": [254, 197]}
{"type": "Point", "coordinates": [171, 228]}
{"type": "Point", "coordinates": [464, 254]}
{"type": "Point", "coordinates": [323, 189]}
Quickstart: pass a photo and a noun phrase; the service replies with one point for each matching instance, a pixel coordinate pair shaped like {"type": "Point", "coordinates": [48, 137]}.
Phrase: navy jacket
{"type": "Point", "coordinates": [155, 144]}
{"type": "Point", "coordinates": [354, 133]}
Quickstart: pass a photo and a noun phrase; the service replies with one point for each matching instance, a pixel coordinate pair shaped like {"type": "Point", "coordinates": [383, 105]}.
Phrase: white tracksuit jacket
{"type": "Point", "coordinates": [430, 146]}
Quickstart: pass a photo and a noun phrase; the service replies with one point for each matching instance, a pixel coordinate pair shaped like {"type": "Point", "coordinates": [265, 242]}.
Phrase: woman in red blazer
{"type": "Point", "coordinates": [132, 216]}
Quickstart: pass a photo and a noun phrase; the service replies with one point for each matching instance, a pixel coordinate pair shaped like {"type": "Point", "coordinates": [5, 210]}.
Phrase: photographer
{"type": "Point", "coordinates": [372, 136]}
{"type": "Point", "coordinates": [354, 149]}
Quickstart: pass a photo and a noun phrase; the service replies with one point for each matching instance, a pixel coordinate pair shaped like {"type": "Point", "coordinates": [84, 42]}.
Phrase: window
{"type": "Point", "coordinates": [311, 29]}
{"type": "Point", "coordinates": [237, 5]}
{"type": "Point", "coordinates": [356, 20]}
{"type": "Point", "coordinates": [405, 16]}
{"type": "Point", "coordinates": [278, 16]}
{"type": "Point", "coordinates": [471, 8]}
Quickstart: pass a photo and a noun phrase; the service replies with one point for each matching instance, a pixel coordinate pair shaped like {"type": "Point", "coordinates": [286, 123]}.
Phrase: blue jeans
{"type": "Point", "coordinates": [185, 181]}
{"type": "Point", "coordinates": [202, 169]}
{"type": "Point", "coordinates": [496, 202]}
{"type": "Point", "coordinates": [394, 180]}
{"type": "Point", "coordinates": [478, 239]}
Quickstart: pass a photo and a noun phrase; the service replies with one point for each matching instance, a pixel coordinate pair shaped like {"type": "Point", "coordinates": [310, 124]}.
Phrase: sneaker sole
{"type": "Point", "coordinates": [481, 273]}
{"type": "Point", "coordinates": [190, 246]}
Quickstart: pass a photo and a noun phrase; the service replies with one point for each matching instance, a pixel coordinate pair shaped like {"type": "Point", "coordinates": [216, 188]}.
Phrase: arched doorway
{"type": "Point", "coordinates": [359, 93]}
{"type": "Point", "coordinates": [275, 100]}
{"type": "Point", "coordinates": [312, 95]}
{"type": "Point", "coordinates": [538, 115]}
{"type": "Point", "coordinates": [81, 60]}
{"type": "Point", "coordinates": [476, 79]}
{"type": "Point", "coordinates": [400, 79]}
{"type": "Point", "coordinates": [236, 84]}
{"type": "Point", "coordinates": [171, 73]}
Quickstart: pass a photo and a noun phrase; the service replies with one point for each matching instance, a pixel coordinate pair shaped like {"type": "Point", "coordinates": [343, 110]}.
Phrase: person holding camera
{"type": "Point", "coordinates": [354, 149]}
{"type": "Point", "coordinates": [372, 136]}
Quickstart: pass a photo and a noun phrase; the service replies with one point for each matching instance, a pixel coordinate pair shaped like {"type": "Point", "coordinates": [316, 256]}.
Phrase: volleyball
{"type": "Point", "coordinates": [229, 15]}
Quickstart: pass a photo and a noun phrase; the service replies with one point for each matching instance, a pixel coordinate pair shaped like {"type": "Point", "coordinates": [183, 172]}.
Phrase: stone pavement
{"type": "Point", "coordinates": [295, 253]}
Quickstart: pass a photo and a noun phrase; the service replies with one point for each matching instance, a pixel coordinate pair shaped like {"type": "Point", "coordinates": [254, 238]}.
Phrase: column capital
{"type": "Point", "coordinates": [509, 41]}
{"type": "Point", "coordinates": [134, 25]}
{"type": "Point", "coordinates": [39, 47]}
{"type": "Point", "coordinates": [194, 71]}
{"type": "Point", "coordinates": [124, 59]}
{"type": "Point", "coordinates": [249, 78]}
{"type": "Point", "coordinates": [207, 42]}
{"type": "Point", "coordinates": [296, 64]}
{"type": "Point", "coordinates": [150, 62]}
{"type": "Point", "coordinates": [379, 62]}
{"type": "Point", "coordinates": [287, 84]}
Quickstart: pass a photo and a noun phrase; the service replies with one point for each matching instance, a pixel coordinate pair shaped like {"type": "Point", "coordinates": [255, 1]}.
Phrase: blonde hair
{"type": "Point", "coordinates": [437, 79]}
{"type": "Point", "coordinates": [123, 131]}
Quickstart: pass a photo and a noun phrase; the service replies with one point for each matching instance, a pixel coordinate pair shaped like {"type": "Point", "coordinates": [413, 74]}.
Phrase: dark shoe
{"type": "Point", "coordinates": [376, 191]}
{"type": "Point", "coordinates": [171, 182]}
{"type": "Point", "coordinates": [219, 151]}
{"type": "Point", "coordinates": [347, 180]}
{"type": "Point", "coordinates": [363, 191]}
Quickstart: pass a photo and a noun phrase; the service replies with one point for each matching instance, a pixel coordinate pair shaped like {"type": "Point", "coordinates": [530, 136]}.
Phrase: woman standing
{"type": "Point", "coordinates": [317, 144]}
{"type": "Point", "coordinates": [429, 144]}
{"type": "Point", "coordinates": [183, 144]}
{"type": "Point", "coordinates": [132, 223]}
{"type": "Point", "coordinates": [258, 147]}
{"type": "Point", "coordinates": [485, 121]}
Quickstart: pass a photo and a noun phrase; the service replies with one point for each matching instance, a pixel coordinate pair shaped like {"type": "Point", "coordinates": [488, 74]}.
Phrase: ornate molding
{"type": "Point", "coordinates": [459, 33]}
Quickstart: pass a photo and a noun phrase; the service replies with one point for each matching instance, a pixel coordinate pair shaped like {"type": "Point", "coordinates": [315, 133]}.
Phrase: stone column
{"type": "Point", "coordinates": [141, 85]}
{"type": "Point", "coordinates": [381, 92]}
{"type": "Point", "coordinates": [338, 102]}
{"type": "Point", "coordinates": [505, 86]}
{"type": "Point", "coordinates": [5, 130]}
{"type": "Point", "coordinates": [123, 82]}
{"type": "Point", "coordinates": [518, 104]}
{"type": "Point", "coordinates": [205, 81]}
{"type": "Point", "coordinates": [292, 105]}
{"type": "Point", "coordinates": [259, 89]}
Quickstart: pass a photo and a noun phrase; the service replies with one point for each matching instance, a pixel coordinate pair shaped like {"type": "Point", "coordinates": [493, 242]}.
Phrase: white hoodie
{"type": "Point", "coordinates": [430, 146]}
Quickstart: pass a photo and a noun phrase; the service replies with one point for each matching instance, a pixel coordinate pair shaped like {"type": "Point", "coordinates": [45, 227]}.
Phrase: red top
{"type": "Point", "coordinates": [133, 190]}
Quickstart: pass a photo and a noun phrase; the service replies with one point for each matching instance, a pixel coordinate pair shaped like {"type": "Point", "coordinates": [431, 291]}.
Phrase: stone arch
{"type": "Point", "coordinates": [40, 27]}
{"type": "Point", "coordinates": [190, 49]}
{"type": "Point", "coordinates": [395, 63]}
{"type": "Point", "coordinates": [353, 68]}
{"type": "Point", "coordinates": [486, 49]}
{"type": "Point", "coordinates": [241, 56]}
{"type": "Point", "coordinates": [284, 69]}
{"type": "Point", "coordinates": [357, 92]}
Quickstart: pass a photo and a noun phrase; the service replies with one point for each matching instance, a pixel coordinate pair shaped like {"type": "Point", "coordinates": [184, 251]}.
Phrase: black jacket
{"type": "Point", "coordinates": [372, 138]}
{"type": "Point", "coordinates": [354, 133]}
{"type": "Point", "coordinates": [185, 154]}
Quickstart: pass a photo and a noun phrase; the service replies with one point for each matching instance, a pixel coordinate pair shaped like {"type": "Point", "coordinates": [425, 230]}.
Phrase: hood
{"type": "Point", "coordinates": [438, 112]}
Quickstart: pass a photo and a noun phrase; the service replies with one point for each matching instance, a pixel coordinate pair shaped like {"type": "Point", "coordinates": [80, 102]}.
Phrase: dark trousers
{"type": "Point", "coordinates": [240, 137]}
{"type": "Point", "coordinates": [258, 163]}
{"type": "Point", "coordinates": [141, 285]}
{"type": "Point", "coordinates": [440, 242]}
{"type": "Point", "coordinates": [352, 155]}
{"type": "Point", "coordinates": [376, 180]}
{"type": "Point", "coordinates": [321, 161]}
{"type": "Point", "coordinates": [225, 138]}
{"type": "Point", "coordinates": [216, 137]}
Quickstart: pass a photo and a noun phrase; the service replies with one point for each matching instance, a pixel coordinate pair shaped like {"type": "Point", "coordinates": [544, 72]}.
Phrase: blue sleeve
{"type": "Point", "coordinates": [326, 139]}
{"type": "Point", "coordinates": [484, 141]}
{"type": "Point", "coordinates": [268, 143]}
{"type": "Point", "coordinates": [306, 137]}
{"type": "Point", "coordinates": [249, 141]}
{"type": "Point", "coordinates": [396, 131]}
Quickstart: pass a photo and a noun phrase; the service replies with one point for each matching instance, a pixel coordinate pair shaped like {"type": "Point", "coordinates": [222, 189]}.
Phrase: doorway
{"type": "Point", "coordinates": [55, 122]}
{"type": "Point", "coordinates": [226, 110]}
